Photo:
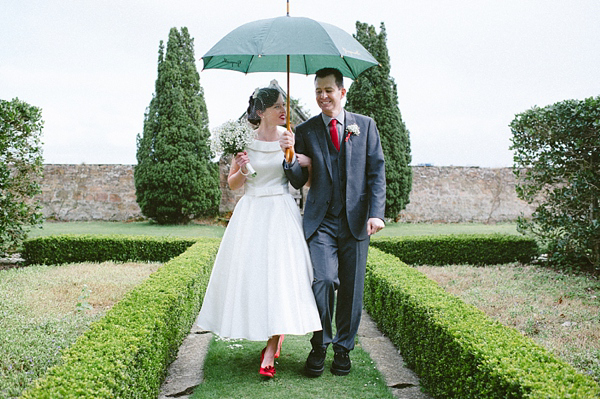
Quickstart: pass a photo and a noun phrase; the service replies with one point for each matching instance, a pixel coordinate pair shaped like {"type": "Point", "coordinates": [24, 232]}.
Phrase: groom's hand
{"type": "Point", "coordinates": [304, 161]}
{"type": "Point", "coordinates": [374, 225]}
{"type": "Point", "coordinates": [286, 140]}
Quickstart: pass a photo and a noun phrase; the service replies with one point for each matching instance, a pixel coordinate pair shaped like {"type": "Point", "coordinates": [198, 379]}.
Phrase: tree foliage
{"type": "Point", "coordinates": [20, 170]}
{"type": "Point", "coordinates": [557, 163]}
{"type": "Point", "coordinates": [374, 94]}
{"type": "Point", "coordinates": [175, 179]}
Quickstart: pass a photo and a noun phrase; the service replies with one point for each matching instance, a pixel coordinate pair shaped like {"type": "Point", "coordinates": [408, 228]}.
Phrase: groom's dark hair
{"type": "Point", "coordinates": [339, 78]}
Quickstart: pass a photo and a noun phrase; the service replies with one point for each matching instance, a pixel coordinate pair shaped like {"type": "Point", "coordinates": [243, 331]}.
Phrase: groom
{"type": "Point", "coordinates": [345, 205]}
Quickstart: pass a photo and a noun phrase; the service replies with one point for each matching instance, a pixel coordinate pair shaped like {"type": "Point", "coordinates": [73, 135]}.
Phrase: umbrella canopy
{"type": "Point", "coordinates": [289, 44]}
{"type": "Point", "coordinates": [264, 46]}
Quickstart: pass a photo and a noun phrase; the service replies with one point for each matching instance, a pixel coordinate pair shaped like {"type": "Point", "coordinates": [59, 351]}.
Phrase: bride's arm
{"type": "Point", "coordinates": [236, 178]}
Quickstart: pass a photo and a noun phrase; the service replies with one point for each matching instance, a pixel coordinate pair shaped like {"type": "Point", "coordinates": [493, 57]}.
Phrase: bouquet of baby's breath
{"type": "Point", "coordinates": [232, 137]}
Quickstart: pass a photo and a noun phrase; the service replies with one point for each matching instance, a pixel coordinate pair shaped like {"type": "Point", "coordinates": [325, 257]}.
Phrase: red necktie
{"type": "Point", "coordinates": [334, 133]}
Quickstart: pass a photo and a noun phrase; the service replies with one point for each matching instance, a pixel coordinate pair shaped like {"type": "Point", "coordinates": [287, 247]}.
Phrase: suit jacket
{"type": "Point", "coordinates": [364, 177]}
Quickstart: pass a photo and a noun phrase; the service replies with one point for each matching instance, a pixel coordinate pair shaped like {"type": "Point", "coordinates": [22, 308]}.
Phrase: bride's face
{"type": "Point", "coordinates": [275, 114]}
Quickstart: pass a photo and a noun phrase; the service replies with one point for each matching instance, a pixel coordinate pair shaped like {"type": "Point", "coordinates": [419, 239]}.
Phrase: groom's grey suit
{"type": "Point", "coordinates": [347, 188]}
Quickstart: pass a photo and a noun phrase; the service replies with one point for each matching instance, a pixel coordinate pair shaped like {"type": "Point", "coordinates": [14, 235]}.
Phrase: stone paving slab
{"type": "Point", "coordinates": [185, 373]}
{"type": "Point", "coordinates": [402, 381]}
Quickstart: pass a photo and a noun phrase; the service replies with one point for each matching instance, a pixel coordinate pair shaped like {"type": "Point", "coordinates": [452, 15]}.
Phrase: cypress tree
{"type": "Point", "coordinates": [175, 178]}
{"type": "Point", "coordinates": [374, 94]}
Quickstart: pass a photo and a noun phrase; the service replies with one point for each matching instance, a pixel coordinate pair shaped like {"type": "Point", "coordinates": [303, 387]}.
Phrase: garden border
{"type": "Point", "coordinates": [126, 353]}
{"type": "Point", "coordinates": [455, 348]}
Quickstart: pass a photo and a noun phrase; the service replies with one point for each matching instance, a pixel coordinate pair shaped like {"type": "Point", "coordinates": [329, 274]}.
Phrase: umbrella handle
{"type": "Point", "coordinates": [289, 152]}
{"type": "Point", "coordinates": [289, 155]}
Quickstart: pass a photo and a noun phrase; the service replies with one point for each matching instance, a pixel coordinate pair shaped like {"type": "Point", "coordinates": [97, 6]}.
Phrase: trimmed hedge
{"type": "Point", "coordinates": [126, 353]}
{"type": "Point", "coordinates": [457, 350]}
{"type": "Point", "coordinates": [472, 249]}
{"type": "Point", "coordinates": [70, 248]}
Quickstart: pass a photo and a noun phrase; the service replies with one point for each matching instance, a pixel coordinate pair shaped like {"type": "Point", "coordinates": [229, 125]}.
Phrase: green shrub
{"type": "Point", "coordinates": [126, 353]}
{"type": "Point", "coordinates": [20, 171]}
{"type": "Point", "coordinates": [473, 249]}
{"type": "Point", "coordinates": [556, 166]}
{"type": "Point", "coordinates": [69, 248]}
{"type": "Point", "coordinates": [457, 351]}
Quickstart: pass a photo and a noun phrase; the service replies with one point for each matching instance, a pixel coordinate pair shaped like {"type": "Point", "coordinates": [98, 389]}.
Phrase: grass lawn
{"type": "Point", "coordinates": [128, 228]}
{"type": "Point", "coordinates": [418, 229]}
{"type": "Point", "coordinates": [40, 315]}
{"type": "Point", "coordinates": [231, 371]}
{"type": "Point", "coordinates": [559, 312]}
{"type": "Point", "coordinates": [200, 230]}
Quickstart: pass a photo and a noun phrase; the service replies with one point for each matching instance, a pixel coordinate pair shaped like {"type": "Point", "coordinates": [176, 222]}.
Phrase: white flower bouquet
{"type": "Point", "coordinates": [232, 137]}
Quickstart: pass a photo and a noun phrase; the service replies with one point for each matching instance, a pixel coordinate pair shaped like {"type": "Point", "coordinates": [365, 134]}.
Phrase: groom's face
{"type": "Point", "coordinates": [329, 95]}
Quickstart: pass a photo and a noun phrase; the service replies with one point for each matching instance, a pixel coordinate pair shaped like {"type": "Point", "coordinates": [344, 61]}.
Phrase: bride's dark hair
{"type": "Point", "coordinates": [260, 100]}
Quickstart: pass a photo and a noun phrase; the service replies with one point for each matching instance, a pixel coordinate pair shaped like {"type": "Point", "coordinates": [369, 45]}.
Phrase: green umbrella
{"type": "Point", "coordinates": [263, 46]}
{"type": "Point", "coordinates": [289, 44]}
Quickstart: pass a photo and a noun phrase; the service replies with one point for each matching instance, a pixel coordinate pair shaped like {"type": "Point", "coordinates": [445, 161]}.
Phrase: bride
{"type": "Point", "coordinates": [260, 286]}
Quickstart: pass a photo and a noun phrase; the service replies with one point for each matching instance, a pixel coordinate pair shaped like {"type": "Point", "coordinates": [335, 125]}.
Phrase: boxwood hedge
{"type": "Point", "coordinates": [69, 248]}
{"type": "Point", "coordinates": [126, 353]}
{"type": "Point", "coordinates": [457, 351]}
{"type": "Point", "coordinates": [472, 249]}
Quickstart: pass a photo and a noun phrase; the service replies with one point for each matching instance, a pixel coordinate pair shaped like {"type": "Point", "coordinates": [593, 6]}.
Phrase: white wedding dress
{"type": "Point", "coordinates": [260, 284]}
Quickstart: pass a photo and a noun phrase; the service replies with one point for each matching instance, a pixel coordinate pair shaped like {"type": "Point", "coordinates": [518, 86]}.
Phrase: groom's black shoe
{"type": "Point", "coordinates": [315, 363]}
{"type": "Point", "coordinates": [341, 362]}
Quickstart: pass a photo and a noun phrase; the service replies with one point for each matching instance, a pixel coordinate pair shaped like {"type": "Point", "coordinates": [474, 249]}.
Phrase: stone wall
{"type": "Point", "coordinates": [440, 194]}
{"type": "Point", "coordinates": [89, 192]}
{"type": "Point", "coordinates": [464, 194]}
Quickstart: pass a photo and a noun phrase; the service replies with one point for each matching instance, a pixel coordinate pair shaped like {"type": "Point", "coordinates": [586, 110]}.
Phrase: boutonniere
{"type": "Point", "coordinates": [352, 129]}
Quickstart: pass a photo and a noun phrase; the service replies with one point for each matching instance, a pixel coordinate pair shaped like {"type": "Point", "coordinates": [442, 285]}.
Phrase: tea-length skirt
{"type": "Point", "coordinates": [260, 284]}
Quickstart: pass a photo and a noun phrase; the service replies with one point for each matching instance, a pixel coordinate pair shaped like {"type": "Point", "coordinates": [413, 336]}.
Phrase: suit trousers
{"type": "Point", "coordinates": [339, 263]}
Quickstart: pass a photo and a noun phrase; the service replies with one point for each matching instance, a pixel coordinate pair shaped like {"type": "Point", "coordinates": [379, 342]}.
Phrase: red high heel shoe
{"type": "Point", "coordinates": [281, 338]}
{"type": "Point", "coordinates": [268, 371]}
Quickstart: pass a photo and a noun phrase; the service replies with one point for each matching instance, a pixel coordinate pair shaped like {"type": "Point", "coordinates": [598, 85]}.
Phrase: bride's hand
{"type": "Point", "coordinates": [304, 161]}
{"type": "Point", "coordinates": [286, 140]}
{"type": "Point", "coordinates": [241, 158]}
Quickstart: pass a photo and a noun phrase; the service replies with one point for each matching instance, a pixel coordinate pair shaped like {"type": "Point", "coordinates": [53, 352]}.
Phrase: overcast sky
{"type": "Point", "coordinates": [463, 68]}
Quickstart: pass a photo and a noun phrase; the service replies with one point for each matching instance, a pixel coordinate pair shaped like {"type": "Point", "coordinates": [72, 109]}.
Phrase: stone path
{"type": "Point", "coordinates": [185, 373]}
{"type": "Point", "coordinates": [402, 381]}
